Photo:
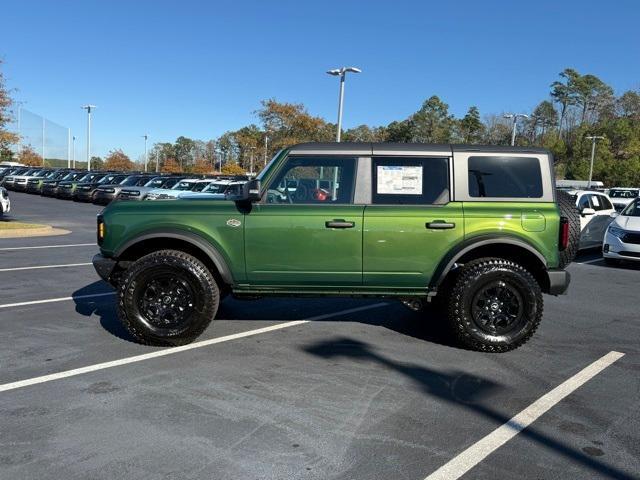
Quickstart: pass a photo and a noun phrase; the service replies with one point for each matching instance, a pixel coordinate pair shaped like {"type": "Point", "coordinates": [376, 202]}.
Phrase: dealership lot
{"type": "Point", "coordinates": [361, 389]}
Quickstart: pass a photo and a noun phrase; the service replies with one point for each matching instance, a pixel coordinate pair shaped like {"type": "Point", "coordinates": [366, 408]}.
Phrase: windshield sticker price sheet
{"type": "Point", "coordinates": [399, 180]}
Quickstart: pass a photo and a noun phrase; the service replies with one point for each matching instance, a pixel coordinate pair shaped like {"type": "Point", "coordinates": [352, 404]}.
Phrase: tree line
{"type": "Point", "coordinates": [576, 106]}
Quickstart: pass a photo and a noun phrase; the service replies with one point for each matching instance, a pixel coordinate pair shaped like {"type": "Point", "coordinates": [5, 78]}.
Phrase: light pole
{"type": "Point", "coordinates": [515, 117]}
{"type": "Point", "coordinates": [73, 140]}
{"type": "Point", "coordinates": [146, 158]}
{"type": "Point", "coordinates": [594, 139]}
{"type": "Point", "coordinates": [88, 109]}
{"type": "Point", "coordinates": [341, 72]}
{"type": "Point", "coordinates": [252, 149]}
{"type": "Point", "coordinates": [266, 146]}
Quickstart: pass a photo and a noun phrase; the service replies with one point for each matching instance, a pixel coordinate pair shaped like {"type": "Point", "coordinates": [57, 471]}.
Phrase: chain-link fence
{"type": "Point", "coordinates": [46, 138]}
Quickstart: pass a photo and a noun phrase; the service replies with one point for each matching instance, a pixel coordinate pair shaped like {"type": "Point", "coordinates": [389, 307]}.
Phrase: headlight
{"type": "Point", "coordinates": [617, 232]}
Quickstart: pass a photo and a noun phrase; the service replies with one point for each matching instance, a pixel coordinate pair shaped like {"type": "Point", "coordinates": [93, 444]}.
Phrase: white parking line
{"type": "Point", "coordinates": [50, 246]}
{"type": "Point", "coordinates": [53, 300]}
{"type": "Point", "coordinates": [477, 452]}
{"type": "Point", "coordinates": [13, 269]}
{"type": "Point", "coordinates": [589, 261]}
{"type": "Point", "coordinates": [170, 351]}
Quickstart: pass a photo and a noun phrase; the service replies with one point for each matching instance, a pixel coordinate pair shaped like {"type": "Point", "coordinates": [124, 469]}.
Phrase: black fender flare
{"type": "Point", "coordinates": [188, 237]}
{"type": "Point", "coordinates": [466, 246]}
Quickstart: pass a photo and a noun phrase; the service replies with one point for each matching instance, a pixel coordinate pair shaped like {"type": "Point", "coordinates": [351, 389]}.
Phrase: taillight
{"type": "Point", "coordinates": [564, 233]}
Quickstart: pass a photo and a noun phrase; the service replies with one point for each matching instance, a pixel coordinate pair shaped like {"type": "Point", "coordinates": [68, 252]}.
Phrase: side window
{"type": "Point", "coordinates": [314, 180]}
{"type": "Point", "coordinates": [606, 204]}
{"type": "Point", "coordinates": [410, 181]}
{"type": "Point", "coordinates": [505, 177]}
{"type": "Point", "coordinates": [584, 202]}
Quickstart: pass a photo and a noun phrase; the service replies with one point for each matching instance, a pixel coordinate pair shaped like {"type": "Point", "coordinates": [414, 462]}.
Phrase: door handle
{"type": "Point", "coordinates": [339, 224]}
{"type": "Point", "coordinates": [440, 225]}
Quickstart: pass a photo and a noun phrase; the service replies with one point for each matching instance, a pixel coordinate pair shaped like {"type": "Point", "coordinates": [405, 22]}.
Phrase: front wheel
{"type": "Point", "coordinates": [495, 305]}
{"type": "Point", "coordinates": [167, 298]}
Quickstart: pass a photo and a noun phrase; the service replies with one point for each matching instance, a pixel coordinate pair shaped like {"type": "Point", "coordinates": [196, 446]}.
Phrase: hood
{"type": "Point", "coordinates": [631, 224]}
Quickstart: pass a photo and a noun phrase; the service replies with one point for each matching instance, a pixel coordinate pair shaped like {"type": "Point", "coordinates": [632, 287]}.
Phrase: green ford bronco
{"type": "Point", "coordinates": [480, 231]}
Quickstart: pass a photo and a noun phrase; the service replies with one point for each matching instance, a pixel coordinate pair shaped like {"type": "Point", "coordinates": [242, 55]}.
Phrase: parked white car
{"type": "Point", "coordinates": [621, 197]}
{"type": "Point", "coordinates": [186, 185]}
{"type": "Point", "coordinates": [596, 212]}
{"type": "Point", "coordinates": [622, 240]}
{"type": "Point", "coordinates": [5, 203]}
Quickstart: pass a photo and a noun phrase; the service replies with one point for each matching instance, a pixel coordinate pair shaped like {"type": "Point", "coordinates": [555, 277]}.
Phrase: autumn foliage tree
{"type": "Point", "coordinates": [6, 138]}
{"type": "Point", "coordinates": [201, 166]}
{"type": "Point", "coordinates": [117, 160]}
{"type": "Point", "coordinates": [232, 169]}
{"type": "Point", "coordinates": [29, 157]}
{"type": "Point", "coordinates": [170, 165]}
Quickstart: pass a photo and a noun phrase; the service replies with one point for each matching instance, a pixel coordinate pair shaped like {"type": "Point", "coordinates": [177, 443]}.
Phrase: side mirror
{"type": "Point", "coordinates": [587, 211]}
{"type": "Point", "coordinates": [614, 214]}
{"type": "Point", "coordinates": [250, 192]}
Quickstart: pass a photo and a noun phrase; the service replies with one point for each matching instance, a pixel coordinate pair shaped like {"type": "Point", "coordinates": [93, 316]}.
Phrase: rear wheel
{"type": "Point", "coordinates": [167, 298]}
{"type": "Point", "coordinates": [495, 305]}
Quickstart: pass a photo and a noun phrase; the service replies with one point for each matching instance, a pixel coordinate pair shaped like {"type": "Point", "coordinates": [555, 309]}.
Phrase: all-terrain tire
{"type": "Point", "coordinates": [465, 317]}
{"type": "Point", "coordinates": [167, 298]}
{"type": "Point", "coordinates": [568, 210]}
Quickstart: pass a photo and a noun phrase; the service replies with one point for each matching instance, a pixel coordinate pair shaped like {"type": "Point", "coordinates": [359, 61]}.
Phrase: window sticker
{"type": "Point", "coordinates": [399, 180]}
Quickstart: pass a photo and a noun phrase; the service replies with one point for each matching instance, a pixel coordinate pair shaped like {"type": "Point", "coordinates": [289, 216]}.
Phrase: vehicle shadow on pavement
{"type": "Point", "coordinates": [103, 306]}
{"type": "Point", "coordinates": [461, 389]}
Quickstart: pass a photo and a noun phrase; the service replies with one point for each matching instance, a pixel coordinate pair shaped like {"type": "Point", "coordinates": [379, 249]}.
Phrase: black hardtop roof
{"type": "Point", "coordinates": [381, 147]}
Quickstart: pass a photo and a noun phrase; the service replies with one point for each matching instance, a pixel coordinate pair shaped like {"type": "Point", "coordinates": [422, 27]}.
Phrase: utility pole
{"type": "Point", "coordinates": [146, 158]}
{"type": "Point", "coordinates": [594, 139]}
{"type": "Point", "coordinates": [515, 117]}
{"type": "Point", "coordinates": [73, 140]}
{"type": "Point", "coordinates": [68, 148]}
{"type": "Point", "coordinates": [157, 161]}
{"type": "Point", "coordinates": [88, 109]}
{"type": "Point", "coordinates": [43, 137]}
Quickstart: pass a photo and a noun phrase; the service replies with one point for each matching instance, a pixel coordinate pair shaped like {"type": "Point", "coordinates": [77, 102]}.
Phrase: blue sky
{"type": "Point", "coordinates": [197, 69]}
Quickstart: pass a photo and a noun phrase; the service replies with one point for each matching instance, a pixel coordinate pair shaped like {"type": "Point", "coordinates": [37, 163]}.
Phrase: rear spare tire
{"type": "Point", "coordinates": [570, 212]}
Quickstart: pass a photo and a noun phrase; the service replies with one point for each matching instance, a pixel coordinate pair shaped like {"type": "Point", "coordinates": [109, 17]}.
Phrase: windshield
{"type": "Point", "coordinates": [70, 176]}
{"type": "Point", "coordinates": [87, 177]}
{"type": "Point", "coordinates": [106, 179]}
{"type": "Point", "coordinates": [130, 181]}
{"type": "Point", "coordinates": [632, 210]}
{"type": "Point", "coordinates": [199, 187]}
{"type": "Point", "coordinates": [155, 182]}
{"type": "Point", "coordinates": [184, 186]}
{"type": "Point", "coordinates": [215, 188]}
{"type": "Point", "coordinates": [623, 193]}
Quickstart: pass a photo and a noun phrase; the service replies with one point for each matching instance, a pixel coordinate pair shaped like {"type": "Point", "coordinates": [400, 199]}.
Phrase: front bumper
{"type": "Point", "coordinates": [613, 247]}
{"type": "Point", "coordinates": [20, 187]}
{"type": "Point", "coordinates": [104, 266]}
{"type": "Point", "coordinates": [559, 281]}
{"type": "Point", "coordinates": [103, 198]}
{"type": "Point", "coordinates": [64, 193]}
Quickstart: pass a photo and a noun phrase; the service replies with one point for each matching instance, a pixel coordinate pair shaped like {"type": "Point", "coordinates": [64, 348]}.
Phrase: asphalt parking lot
{"type": "Point", "coordinates": [358, 389]}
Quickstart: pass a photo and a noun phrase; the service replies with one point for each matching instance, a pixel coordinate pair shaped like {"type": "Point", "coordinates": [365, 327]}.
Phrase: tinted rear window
{"type": "Point", "coordinates": [505, 177]}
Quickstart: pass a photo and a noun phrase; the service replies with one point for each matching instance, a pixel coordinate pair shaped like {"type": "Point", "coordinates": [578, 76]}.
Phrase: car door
{"type": "Point", "coordinates": [410, 223]}
{"type": "Point", "coordinates": [587, 234]}
{"type": "Point", "coordinates": [308, 235]}
{"type": "Point", "coordinates": [600, 221]}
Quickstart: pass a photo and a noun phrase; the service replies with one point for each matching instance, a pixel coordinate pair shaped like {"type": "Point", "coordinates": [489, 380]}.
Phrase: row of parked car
{"type": "Point", "coordinates": [102, 187]}
{"type": "Point", "coordinates": [610, 219]}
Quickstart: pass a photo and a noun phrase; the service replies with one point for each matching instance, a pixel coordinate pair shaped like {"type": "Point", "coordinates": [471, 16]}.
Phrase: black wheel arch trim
{"type": "Point", "coordinates": [189, 237]}
{"type": "Point", "coordinates": [466, 246]}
